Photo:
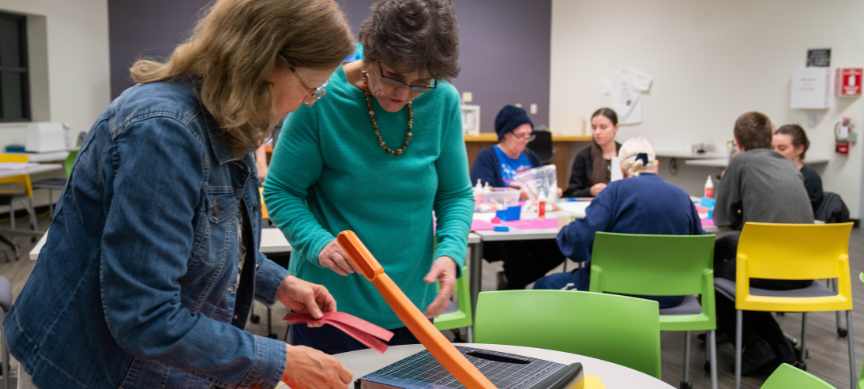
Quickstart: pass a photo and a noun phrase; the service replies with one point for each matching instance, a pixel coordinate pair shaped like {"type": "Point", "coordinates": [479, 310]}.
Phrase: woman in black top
{"type": "Point", "coordinates": [791, 142]}
{"type": "Point", "coordinates": [590, 172]}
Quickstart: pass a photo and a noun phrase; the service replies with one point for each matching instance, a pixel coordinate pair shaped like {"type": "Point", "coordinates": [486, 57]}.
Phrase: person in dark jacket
{"type": "Point", "coordinates": [791, 142]}
{"type": "Point", "coordinates": [524, 261]}
{"type": "Point", "coordinates": [643, 203]}
{"type": "Point", "coordinates": [592, 167]}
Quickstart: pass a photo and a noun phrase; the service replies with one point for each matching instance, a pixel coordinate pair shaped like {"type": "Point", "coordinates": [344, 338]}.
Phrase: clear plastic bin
{"type": "Point", "coordinates": [541, 182]}
{"type": "Point", "coordinates": [495, 199]}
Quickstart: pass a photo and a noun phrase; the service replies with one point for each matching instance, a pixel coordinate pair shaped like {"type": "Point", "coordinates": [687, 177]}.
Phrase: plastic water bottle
{"type": "Point", "coordinates": [709, 188]}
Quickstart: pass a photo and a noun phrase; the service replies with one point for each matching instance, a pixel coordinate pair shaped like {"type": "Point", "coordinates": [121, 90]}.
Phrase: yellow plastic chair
{"type": "Point", "coordinates": [264, 214]}
{"type": "Point", "coordinates": [18, 187]}
{"type": "Point", "coordinates": [792, 252]}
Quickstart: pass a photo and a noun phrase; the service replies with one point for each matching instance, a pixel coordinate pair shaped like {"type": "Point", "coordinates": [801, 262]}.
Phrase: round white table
{"type": "Point", "coordinates": [363, 362]}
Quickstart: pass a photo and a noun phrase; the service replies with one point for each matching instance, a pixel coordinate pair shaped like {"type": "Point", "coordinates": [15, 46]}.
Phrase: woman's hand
{"type": "Point", "coordinates": [309, 368]}
{"type": "Point", "coordinates": [597, 188]}
{"type": "Point", "coordinates": [333, 257]}
{"type": "Point", "coordinates": [443, 270]}
{"type": "Point", "coordinates": [305, 297]}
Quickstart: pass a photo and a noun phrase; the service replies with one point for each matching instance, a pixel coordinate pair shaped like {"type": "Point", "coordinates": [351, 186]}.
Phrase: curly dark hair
{"type": "Point", "coordinates": [753, 130]}
{"type": "Point", "coordinates": [413, 35]}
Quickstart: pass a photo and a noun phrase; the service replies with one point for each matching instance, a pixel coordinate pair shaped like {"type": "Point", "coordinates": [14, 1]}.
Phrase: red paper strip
{"type": "Point", "coordinates": [362, 337]}
{"type": "Point", "coordinates": [359, 329]}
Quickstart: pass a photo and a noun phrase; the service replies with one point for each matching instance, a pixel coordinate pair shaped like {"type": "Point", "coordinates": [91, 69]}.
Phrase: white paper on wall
{"type": "Point", "coordinates": [810, 88]}
{"type": "Point", "coordinates": [627, 89]}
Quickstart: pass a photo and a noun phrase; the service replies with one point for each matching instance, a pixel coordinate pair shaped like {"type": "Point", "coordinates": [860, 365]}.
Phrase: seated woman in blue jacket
{"type": "Point", "coordinates": [496, 166]}
{"type": "Point", "coordinates": [643, 203]}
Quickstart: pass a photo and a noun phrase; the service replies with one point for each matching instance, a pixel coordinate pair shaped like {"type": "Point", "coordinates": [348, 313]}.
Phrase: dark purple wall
{"type": "Point", "coordinates": [504, 45]}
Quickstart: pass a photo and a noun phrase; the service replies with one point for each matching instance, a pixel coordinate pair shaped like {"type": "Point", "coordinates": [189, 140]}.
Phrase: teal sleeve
{"type": "Point", "coordinates": [454, 200]}
{"type": "Point", "coordinates": [295, 168]}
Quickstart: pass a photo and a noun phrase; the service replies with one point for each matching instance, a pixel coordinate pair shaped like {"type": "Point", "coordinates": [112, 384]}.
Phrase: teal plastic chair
{"type": "Point", "coordinates": [461, 317]}
{"type": "Point", "coordinates": [620, 329]}
{"type": "Point", "coordinates": [787, 376]}
{"type": "Point", "coordinates": [663, 265]}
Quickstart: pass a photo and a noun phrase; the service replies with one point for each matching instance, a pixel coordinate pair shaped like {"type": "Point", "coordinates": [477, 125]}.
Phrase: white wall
{"type": "Point", "coordinates": [76, 47]}
{"type": "Point", "coordinates": [711, 61]}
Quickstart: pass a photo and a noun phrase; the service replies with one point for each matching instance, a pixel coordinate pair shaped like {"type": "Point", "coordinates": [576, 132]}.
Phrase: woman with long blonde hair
{"type": "Point", "coordinates": [152, 260]}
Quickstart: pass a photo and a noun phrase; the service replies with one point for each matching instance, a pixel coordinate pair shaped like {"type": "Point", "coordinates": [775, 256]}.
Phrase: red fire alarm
{"type": "Point", "coordinates": [849, 81]}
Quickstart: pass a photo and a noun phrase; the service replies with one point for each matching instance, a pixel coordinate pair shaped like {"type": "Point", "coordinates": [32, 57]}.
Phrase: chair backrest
{"type": "Point", "coordinates": [788, 376]}
{"type": "Point", "coordinates": [22, 180]}
{"type": "Point", "coordinates": [779, 251]}
{"type": "Point", "coordinates": [619, 329]}
{"type": "Point", "coordinates": [69, 163]}
{"type": "Point", "coordinates": [794, 251]}
{"type": "Point", "coordinates": [542, 146]}
{"type": "Point", "coordinates": [659, 265]}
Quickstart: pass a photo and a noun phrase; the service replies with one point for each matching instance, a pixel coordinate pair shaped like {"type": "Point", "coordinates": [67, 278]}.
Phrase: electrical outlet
{"type": "Point", "coordinates": [467, 97]}
{"type": "Point", "coordinates": [533, 109]}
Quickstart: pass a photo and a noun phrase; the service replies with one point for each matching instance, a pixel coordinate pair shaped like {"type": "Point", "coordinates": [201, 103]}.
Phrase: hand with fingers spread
{"type": "Point", "coordinates": [443, 271]}
{"type": "Point", "coordinates": [334, 258]}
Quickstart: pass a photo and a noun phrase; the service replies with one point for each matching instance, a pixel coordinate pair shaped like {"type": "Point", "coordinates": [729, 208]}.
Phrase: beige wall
{"type": "Point", "coordinates": [69, 58]}
{"type": "Point", "coordinates": [711, 61]}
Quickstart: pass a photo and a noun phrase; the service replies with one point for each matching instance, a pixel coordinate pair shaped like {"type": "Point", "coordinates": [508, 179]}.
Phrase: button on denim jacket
{"type": "Point", "coordinates": [136, 285]}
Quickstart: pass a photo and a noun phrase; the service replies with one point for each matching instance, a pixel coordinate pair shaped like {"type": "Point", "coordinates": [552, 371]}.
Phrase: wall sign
{"type": "Point", "coordinates": [820, 58]}
{"type": "Point", "coordinates": [849, 82]}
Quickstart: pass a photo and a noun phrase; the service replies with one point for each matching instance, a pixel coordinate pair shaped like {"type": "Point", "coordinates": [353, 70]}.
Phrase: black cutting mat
{"type": "Point", "coordinates": [421, 370]}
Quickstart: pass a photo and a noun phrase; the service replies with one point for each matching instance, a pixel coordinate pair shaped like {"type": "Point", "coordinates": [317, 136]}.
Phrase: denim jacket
{"type": "Point", "coordinates": [136, 286]}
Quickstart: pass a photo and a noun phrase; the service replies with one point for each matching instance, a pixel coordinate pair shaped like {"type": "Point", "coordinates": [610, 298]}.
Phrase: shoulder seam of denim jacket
{"type": "Point", "coordinates": [185, 118]}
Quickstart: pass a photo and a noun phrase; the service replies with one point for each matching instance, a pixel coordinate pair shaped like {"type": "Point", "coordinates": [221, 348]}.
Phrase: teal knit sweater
{"type": "Point", "coordinates": [329, 174]}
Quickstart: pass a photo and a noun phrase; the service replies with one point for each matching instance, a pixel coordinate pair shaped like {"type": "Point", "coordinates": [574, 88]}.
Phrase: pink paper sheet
{"type": "Point", "coordinates": [355, 327]}
{"type": "Point", "coordinates": [526, 224]}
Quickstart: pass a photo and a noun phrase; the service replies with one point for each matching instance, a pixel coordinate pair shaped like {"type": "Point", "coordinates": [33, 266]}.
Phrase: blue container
{"type": "Point", "coordinates": [510, 214]}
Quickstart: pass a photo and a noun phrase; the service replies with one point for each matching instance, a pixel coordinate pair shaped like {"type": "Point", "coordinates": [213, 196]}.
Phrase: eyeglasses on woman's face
{"type": "Point", "coordinates": [313, 94]}
{"type": "Point", "coordinates": [525, 136]}
{"type": "Point", "coordinates": [396, 80]}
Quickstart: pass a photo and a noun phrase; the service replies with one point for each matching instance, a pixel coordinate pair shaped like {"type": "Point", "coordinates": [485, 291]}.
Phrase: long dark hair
{"type": "Point", "coordinates": [799, 137]}
{"type": "Point", "coordinates": [608, 113]}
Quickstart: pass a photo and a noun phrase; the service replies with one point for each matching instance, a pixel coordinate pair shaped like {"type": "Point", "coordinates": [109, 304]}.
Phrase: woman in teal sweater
{"type": "Point", "coordinates": [380, 155]}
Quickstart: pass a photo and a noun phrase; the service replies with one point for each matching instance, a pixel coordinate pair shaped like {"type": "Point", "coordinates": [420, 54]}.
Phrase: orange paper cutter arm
{"type": "Point", "coordinates": [441, 349]}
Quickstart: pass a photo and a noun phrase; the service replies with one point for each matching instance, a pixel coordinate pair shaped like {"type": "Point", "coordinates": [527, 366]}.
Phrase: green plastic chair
{"type": "Point", "coordinates": [461, 317]}
{"type": "Point", "coordinates": [70, 162]}
{"type": "Point", "coordinates": [57, 183]}
{"type": "Point", "coordinates": [663, 265]}
{"type": "Point", "coordinates": [787, 376]}
{"type": "Point", "coordinates": [619, 329]}
{"type": "Point", "coordinates": [861, 374]}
